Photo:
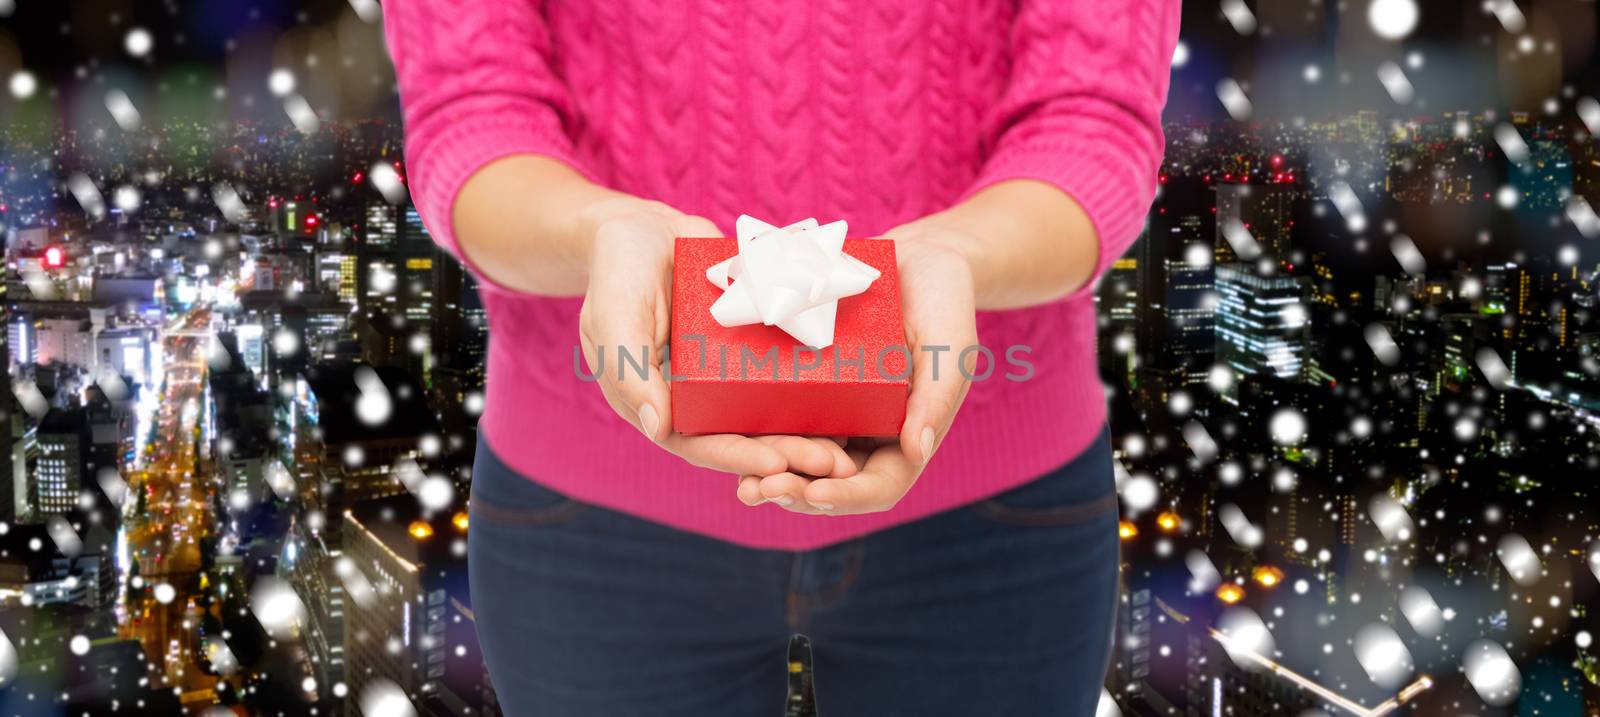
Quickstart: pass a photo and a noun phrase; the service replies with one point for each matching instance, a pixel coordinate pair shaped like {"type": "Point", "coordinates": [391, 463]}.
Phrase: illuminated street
{"type": "Point", "coordinates": [172, 513]}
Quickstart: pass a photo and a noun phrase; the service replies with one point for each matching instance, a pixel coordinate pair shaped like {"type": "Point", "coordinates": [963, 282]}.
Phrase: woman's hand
{"type": "Point", "coordinates": [937, 300]}
{"type": "Point", "coordinates": [628, 306]}
{"type": "Point", "coordinates": [1013, 244]}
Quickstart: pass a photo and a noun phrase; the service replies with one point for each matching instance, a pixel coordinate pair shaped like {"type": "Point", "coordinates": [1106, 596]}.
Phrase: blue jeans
{"type": "Point", "coordinates": [1002, 607]}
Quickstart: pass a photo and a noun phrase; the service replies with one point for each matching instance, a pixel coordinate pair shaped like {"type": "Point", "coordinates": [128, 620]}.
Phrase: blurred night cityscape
{"type": "Point", "coordinates": [1352, 365]}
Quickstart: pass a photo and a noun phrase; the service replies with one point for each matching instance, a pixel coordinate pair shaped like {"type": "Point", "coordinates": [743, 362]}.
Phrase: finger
{"type": "Point", "coordinates": [607, 391]}
{"type": "Point", "coordinates": [630, 375]}
{"type": "Point", "coordinates": [692, 226]}
{"type": "Point", "coordinates": [810, 456]}
{"type": "Point", "coordinates": [859, 455]}
{"type": "Point", "coordinates": [750, 491]}
{"type": "Point", "coordinates": [591, 353]}
{"type": "Point", "coordinates": [887, 476]}
{"type": "Point", "coordinates": [843, 465]}
{"type": "Point", "coordinates": [939, 380]}
{"type": "Point", "coordinates": [787, 490]}
{"type": "Point", "coordinates": [624, 319]}
{"type": "Point", "coordinates": [727, 452]}
{"type": "Point", "coordinates": [633, 381]}
{"type": "Point", "coordinates": [931, 408]}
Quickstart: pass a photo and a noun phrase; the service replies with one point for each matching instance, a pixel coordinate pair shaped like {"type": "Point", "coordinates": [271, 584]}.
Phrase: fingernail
{"type": "Point", "coordinates": [782, 500]}
{"type": "Point", "coordinates": [648, 420]}
{"type": "Point", "coordinates": [822, 506]}
{"type": "Point", "coordinates": [927, 444]}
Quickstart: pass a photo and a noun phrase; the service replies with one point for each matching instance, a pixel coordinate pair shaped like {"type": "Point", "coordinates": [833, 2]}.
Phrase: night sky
{"type": "Point", "coordinates": [1469, 60]}
{"type": "Point", "coordinates": [199, 50]}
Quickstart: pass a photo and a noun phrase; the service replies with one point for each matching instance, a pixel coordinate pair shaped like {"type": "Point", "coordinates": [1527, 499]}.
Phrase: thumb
{"type": "Point", "coordinates": [629, 368]}
{"type": "Point", "coordinates": [938, 386]}
{"type": "Point", "coordinates": [941, 328]}
{"type": "Point", "coordinates": [622, 322]}
{"type": "Point", "coordinates": [693, 226]}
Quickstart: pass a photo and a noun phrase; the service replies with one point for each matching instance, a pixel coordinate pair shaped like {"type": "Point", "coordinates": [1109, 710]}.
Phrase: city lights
{"type": "Point", "coordinates": [1267, 576]}
{"type": "Point", "coordinates": [1406, 695]}
{"type": "Point", "coordinates": [1230, 593]}
{"type": "Point", "coordinates": [1127, 530]}
{"type": "Point", "coordinates": [420, 530]}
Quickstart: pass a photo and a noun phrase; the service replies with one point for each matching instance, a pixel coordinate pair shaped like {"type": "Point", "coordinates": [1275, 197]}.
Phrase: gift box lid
{"type": "Point", "coordinates": [770, 391]}
{"type": "Point", "coordinates": [868, 325]}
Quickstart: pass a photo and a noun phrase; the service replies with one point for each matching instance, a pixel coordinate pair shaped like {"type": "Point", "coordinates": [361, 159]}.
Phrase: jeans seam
{"type": "Point", "coordinates": [556, 513]}
{"type": "Point", "coordinates": [1116, 611]}
{"type": "Point", "coordinates": [1053, 516]}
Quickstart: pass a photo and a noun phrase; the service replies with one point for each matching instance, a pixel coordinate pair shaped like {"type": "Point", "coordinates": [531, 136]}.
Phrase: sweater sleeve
{"type": "Point", "coordinates": [477, 83]}
{"type": "Point", "coordinates": [1082, 109]}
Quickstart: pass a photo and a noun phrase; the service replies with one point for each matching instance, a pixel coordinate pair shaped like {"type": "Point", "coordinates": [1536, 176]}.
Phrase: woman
{"type": "Point", "coordinates": [1010, 148]}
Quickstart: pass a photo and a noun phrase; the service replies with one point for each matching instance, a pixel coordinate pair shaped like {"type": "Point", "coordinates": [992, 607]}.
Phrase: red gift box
{"type": "Point", "coordinates": [758, 379]}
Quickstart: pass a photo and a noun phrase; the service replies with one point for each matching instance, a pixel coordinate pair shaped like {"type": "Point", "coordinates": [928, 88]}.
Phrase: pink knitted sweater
{"type": "Point", "coordinates": [872, 111]}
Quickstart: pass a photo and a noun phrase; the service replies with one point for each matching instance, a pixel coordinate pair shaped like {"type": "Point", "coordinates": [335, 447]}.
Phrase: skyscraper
{"type": "Point", "coordinates": [1191, 309]}
{"type": "Point", "coordinates": [1176, 286]}
{"type": "Point", "coordinates": [1118, 296]}
{"type": "Point", "coordinates": [1262, 322]}
{"type": "Point", "coordinates": [415, 269]}
{"type": "Point", "coordinates": [62, 439]}
{"type": "Point", "coordinates": [1265, 210]}
{"type": "Point", "coordinates": [382, 229]}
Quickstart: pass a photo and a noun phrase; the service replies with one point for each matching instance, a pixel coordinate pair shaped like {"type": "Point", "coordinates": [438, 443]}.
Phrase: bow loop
{"type": "Point", "coordinates": [790, 277]}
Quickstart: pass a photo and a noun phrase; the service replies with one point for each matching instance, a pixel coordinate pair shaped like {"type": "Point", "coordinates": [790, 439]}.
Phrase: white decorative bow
{"type": "Point", "coordinates": [792, 278]}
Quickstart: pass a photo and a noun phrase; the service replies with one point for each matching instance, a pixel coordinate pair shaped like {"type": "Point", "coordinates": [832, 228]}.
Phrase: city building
{"type": "Point", "coordinates": [1264, 210]}
{"type": "Point", "coordinates": [406, 574]}
{"type": "Point", "coordinates": [61, 445]}
{"type": "Point", "coordinates": [1262, 322]}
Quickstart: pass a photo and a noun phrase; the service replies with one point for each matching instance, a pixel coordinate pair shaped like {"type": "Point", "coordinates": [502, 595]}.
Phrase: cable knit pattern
{"type": "Point", "coordinates": [873, 111]}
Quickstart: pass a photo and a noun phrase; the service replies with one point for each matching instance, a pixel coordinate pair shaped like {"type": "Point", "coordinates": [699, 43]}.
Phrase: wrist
{"type": "Point", "coordinates": [609, 208]}
{"type": "Point", "coordinates": [929, 241]}
{"type": "Point", "coordinates": [626, 219]}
